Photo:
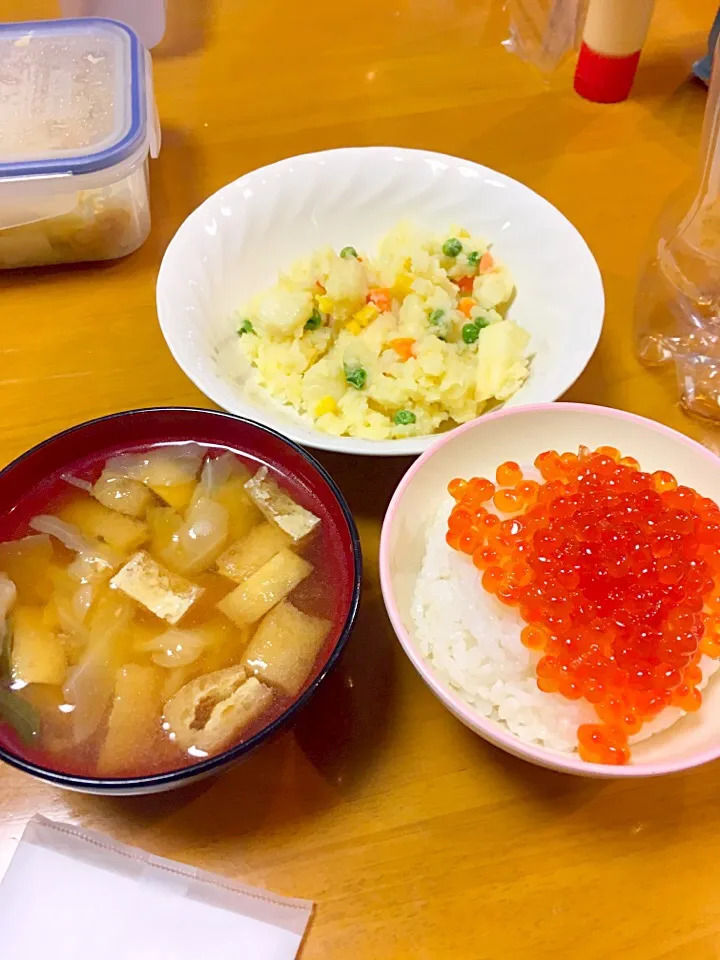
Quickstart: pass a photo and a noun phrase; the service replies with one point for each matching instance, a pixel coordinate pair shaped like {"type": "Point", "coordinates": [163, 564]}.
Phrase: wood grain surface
{"type": "Point", "coordinates": [415, 838]}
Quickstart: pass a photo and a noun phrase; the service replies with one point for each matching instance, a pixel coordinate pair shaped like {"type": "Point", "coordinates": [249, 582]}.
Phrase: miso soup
{"type": "Point", "coordinates": [159, 607]}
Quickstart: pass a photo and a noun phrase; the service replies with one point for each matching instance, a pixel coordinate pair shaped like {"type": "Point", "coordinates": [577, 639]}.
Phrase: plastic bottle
{"type": "Point", "coordinates": [146, 17]}
{"type": "Point", "coordinates": [613, 38]}
{"type": "Point", "coordinates": [677, 311]}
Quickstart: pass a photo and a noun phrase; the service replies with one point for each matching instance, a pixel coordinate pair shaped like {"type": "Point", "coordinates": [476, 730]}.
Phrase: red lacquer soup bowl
{"type": "Point", "coordinates": [32, 484]}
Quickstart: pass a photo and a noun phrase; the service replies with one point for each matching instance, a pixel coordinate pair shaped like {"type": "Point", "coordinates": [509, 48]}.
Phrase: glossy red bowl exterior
{"type": "Point", "coordinates": [23, 486]}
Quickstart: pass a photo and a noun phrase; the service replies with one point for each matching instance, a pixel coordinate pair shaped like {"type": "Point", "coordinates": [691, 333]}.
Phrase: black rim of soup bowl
{"type": "Point", "coordinates": [203, 768]}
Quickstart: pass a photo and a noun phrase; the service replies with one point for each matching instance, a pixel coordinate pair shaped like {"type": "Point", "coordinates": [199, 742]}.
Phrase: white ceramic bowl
{"type": "Point", "coordinates": [477, 448]}
{"type": "Point", "coordinates": [237, 241]}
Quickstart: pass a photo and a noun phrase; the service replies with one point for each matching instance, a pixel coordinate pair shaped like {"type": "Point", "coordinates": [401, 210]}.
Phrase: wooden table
{"type": "Point", "coordinates": [415, 838]}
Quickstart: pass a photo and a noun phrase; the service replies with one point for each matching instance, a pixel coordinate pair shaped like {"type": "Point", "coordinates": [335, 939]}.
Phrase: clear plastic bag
{"type": "Point", "coordinates": [543, 32]}
{"type": "Point", "coordinates": [104, 899]}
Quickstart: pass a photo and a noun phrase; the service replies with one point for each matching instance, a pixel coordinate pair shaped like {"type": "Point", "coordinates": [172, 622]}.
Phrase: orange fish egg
{"type": "Point", "coordinates": [456, 488]}
{"type": "Point", "coordinates": [492, 579]}
{"type": "Point", "coordinates": [485, 557]}
{"type": "Point", "coordinates": [534, 637]}
{"type": "Point", "coordinates": [526, 491]}
{"type": "Point", "coordinates": [508, 474]}
{"type": "Point", "coordinates": [611, 452]}
{"type": "Point", "coordinates": [663, 481]}
{"type": "Point", "coordinates": [506, 501]}
{"type": "Point", "coordinates": [616, 575]}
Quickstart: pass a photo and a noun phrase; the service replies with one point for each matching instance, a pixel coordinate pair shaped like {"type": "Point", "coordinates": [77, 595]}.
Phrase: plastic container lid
{"type": "Point", "coordinates": [73, 96]}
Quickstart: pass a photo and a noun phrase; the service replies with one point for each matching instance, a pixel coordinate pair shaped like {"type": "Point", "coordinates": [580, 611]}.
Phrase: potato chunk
{"type": "Point", "coordinates": [122, 495]}
{"type": "Point", "coordinates": [134, 718]}
{"type": "Point", "coordinates": [165, 594]}
{"type": "Point", "coordinates": [279, 507]}
{"type": "Point", "coordinates": [37, 654]}
{"type": "Point", "coordinates": [245, 556]}
{"type": "Point", "coordinates": [209, 713]}
{"type": "Point", "coordinates": [254, 597]}
{"type": "Point", "coordinates": [94, 520]}
{"type": "Point", "coordinates": [285, 647]}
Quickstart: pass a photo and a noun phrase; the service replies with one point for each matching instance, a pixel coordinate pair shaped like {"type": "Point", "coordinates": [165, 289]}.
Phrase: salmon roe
{"type": "Point", "coordinates": [616, 575]}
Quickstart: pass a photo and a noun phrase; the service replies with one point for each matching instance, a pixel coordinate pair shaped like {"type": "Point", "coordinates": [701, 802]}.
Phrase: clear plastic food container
{"type": "Point", "coordinates": [77, 123]}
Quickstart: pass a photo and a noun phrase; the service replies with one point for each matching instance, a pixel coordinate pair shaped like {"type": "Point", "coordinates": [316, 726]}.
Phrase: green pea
{"type": "Point", "coordinates": [404, 417]}
{"type": "Point", "coordinates": [347, 252]}
{"type": "Point", "coordinates": [315, 320]}
{"type": "Point", "coordinates": [245, 327]}
{"type": "Point", "coordinates": [355, 376]}
{"type": "Point", "coordinates": [482, 322]}
{"type": "Point", "coordinates": [470, 332]}
{"type": "Point", "coordinates": [452, 247]}
{"type": "Point", "coordinates": [473, 258]}
{"type": "Point", "coordinates": [436, 316]}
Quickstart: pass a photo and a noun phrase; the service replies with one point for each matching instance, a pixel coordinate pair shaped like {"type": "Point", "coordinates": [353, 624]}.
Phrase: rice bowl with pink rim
{"type": "Point", "coordinates": [467, 645]}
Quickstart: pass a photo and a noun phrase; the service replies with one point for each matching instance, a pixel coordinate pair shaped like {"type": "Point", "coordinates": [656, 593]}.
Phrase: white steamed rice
{"type": "Point", "coordinates": [473, 643]}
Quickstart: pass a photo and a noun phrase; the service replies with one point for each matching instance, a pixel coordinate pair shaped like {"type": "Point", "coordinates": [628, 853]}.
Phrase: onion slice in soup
{"type": "Point", "coordinates": [163, 467]}
{"type": "Point", "coordinates": [95, 557]}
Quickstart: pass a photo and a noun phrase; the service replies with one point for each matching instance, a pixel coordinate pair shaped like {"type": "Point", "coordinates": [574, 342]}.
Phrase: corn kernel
{"type": "Point", "coordinates": [366, 314]}
{"type": "Point", "coordinates": [325, 304]}
{"type": "Point", "coordinates": [354, 328]}
{"type": "Point", "coordinates": [326, 405]}
{"type": "Point", "coordinates": [463, 233]}
{"type": "Point", "coordinates": [403, 285]}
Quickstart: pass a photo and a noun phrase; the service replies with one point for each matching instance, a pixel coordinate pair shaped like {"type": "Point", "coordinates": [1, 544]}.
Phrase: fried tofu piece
{"type": "Point", "coordinates": [165, 594]}
{"type": "Point", "coordinates": [129, 497]}
{"type": "Point", "coordinates": [257, 595]}
{"type": "Point", "coordinates": [285, 647]}
{"type": "Point", "coordinates": [134, 718]}
{"type": "Point", "coordinates": [121, 532]}
{"type": "Point", "coordinates": [37, 653]}
{"type": "Point", "coordinates": [245, 556]}
{"type": "Point", "coordinates": [279, 507]}
{"type": "Point", "coordinates": [211, 712]}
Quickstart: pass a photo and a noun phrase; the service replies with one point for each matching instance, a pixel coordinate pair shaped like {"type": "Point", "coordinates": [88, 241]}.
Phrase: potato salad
{"type": "Point", "coordinates": [405, 343]}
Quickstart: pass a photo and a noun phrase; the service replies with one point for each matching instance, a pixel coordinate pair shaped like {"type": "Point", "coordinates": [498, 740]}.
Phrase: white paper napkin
{"type": "Point", "coordinates": [75, 895]}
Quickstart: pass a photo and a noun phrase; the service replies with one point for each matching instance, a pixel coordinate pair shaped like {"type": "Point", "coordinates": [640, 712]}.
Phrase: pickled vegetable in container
{"type": "Point", "coordinates": [77, 125]}
{"type": "Point", "coordinates": [677, 311]}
